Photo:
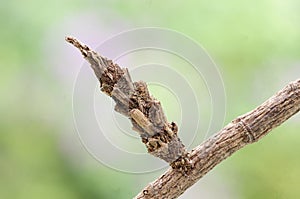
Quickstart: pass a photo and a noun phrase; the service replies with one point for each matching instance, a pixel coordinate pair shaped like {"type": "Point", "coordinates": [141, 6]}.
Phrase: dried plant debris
{"type": "Point", "coordinates": [134, 101]}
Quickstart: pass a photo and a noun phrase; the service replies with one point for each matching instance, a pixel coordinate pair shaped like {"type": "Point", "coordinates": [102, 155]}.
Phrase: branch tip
{"type": "Point", "coordinates": [82, 47]}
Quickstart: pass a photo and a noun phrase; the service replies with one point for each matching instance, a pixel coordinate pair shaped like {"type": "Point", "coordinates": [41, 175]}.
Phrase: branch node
{"type": "Point", "coordinates": [183, 164]}
{"type": "Point", "coordinates": [248, 131]}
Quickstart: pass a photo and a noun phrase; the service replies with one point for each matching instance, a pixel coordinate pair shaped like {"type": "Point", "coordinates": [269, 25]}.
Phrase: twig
{"type": "Point", "coordinates": [145, 112]}
{"type": "Point", "coordinates": [160, 137]}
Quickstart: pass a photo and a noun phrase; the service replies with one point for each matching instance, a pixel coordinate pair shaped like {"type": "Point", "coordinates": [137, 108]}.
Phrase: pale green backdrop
{"type": "Point", "coordinates": [254, 43]}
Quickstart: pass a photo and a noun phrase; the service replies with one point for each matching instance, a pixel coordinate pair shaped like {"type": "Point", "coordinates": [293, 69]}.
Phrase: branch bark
{"type": "Point", "coordinates": [160, 137]}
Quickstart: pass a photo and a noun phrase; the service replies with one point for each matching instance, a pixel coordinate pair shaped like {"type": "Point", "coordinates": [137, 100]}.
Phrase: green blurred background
{"type": "Point", "coordinates": [254, 43]}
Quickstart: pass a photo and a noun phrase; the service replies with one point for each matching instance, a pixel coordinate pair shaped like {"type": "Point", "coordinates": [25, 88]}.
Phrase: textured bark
{"type": "Point", "coordinates": [161, 138]}
{"type": "Point", "coordinates": [244, 130]}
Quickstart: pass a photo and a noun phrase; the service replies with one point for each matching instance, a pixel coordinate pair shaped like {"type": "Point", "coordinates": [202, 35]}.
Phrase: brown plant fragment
{"type": "Point", "coordinates": [134, 101]}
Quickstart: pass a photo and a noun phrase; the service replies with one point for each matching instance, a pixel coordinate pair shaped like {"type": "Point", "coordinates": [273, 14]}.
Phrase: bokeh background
{"type": "Point", "coordinates": [254, 43]}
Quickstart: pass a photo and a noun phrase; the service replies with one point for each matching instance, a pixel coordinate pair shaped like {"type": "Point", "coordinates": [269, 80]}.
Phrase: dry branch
{"type": "Point", "coordinates": [160, 137]}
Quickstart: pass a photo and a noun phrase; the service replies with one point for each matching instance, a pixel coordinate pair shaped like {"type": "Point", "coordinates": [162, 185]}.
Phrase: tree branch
{"type": "Point", "coordinates": [160, 137]}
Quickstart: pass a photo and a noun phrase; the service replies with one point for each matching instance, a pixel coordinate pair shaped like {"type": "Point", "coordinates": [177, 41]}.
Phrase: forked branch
{"type": "Point", "coordinates": [160, 137]}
